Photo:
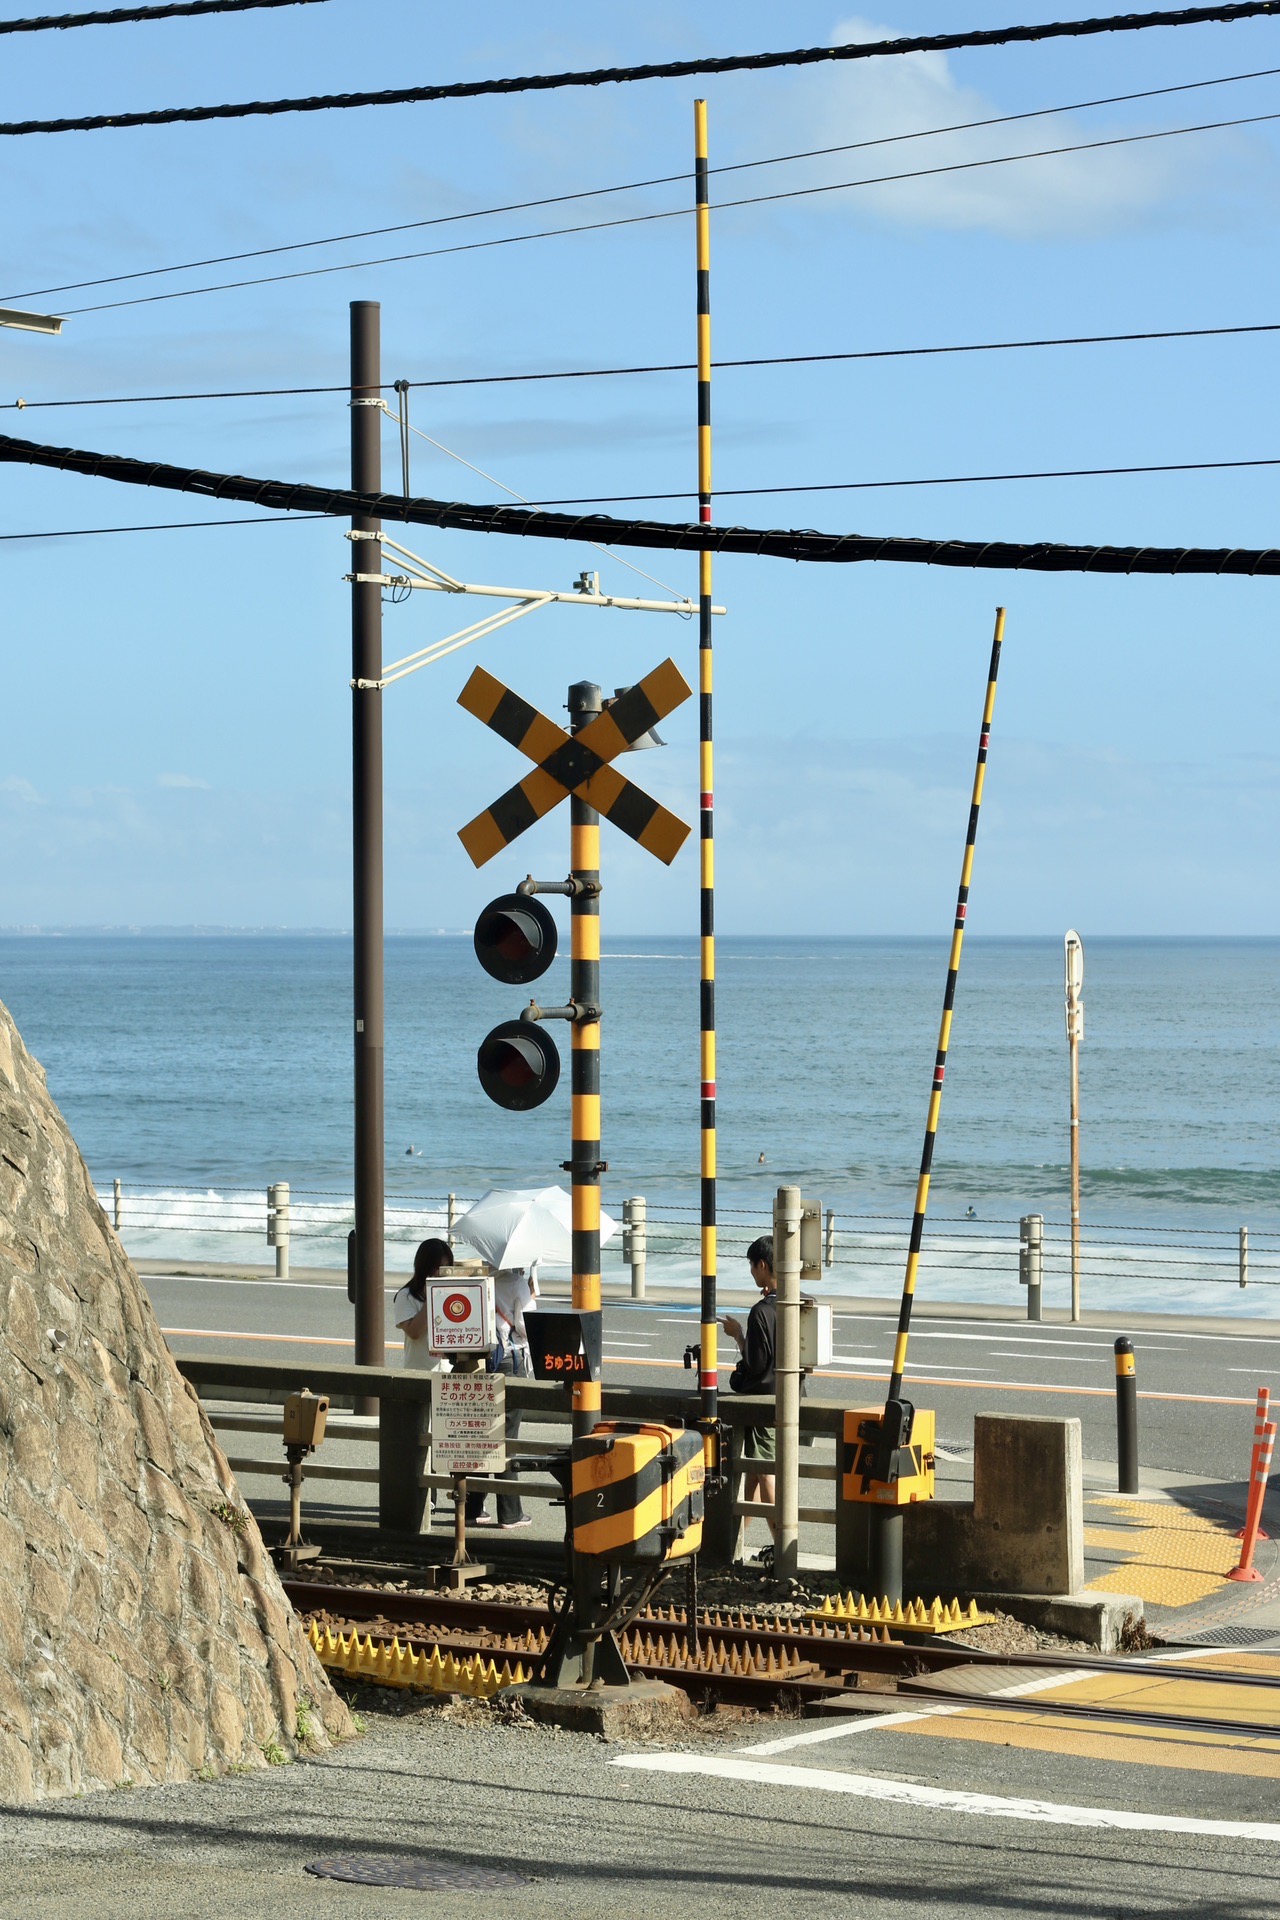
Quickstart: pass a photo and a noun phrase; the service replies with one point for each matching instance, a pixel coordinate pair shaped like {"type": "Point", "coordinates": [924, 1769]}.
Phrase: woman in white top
{"type": "Point", "coordinates": [514, 1289]}
{"type": "Point", "coordinates": [409, 1308]}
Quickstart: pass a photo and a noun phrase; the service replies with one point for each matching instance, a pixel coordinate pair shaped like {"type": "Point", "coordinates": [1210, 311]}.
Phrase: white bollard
{"type": "Point", "coordinates": [635, 1241]}
{"type": "Point", "coordinates": [451, 1217]}
{"type": "Point", "coordinates": [278, 1226]}
{"type": "Point", "coordinates": [1244, 1256]}
{"type": "Point", "coordinates": [116, 1204]}
{"type": "Point", "coordinates": [1031, 1260]}
{"type": "Point", "coordinates": [829, 1245]}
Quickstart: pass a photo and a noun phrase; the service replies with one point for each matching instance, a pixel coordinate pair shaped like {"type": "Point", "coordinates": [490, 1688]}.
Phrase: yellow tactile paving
{"type": "Point", "coordinates": [1173, 1557]}
{"type": "Point", "coordinates": [1256, 1754]}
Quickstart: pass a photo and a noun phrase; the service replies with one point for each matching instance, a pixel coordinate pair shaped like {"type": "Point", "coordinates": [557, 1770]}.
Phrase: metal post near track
{"type": "Point", "coordinates": [1074, 972]}
{"type": "Point", "coordinates": [786, 1266]}
{"type": "Point", "coordinates": [366, 821]}
{"type": "Point", "coordinates": [635, 1227]}
{"type": "Point", "coordinates": [886, 1520]}
{"type": "Point", "coordinates": [708, 1372]}
{"type": "Point", "coordinates": [584, 1164]}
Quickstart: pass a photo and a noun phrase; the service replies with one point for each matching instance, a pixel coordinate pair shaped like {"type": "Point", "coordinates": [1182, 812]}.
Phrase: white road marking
{"type": "Point", "coordinates": [843, 1729]}
{"type": "Point", "coordinates": [267, 1280]}
{"type": "Point", "coordinates": [944, 1799]}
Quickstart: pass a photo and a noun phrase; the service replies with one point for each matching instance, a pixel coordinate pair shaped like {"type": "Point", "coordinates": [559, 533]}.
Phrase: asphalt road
{"type": "Point", "coordinates": [1196, 1389]}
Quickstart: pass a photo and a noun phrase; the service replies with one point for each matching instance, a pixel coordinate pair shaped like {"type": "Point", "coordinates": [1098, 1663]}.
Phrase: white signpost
{"type": "Point", "coordinates": [468, 1423]}
{"type": "Point", "coordinates": [461, 1314]}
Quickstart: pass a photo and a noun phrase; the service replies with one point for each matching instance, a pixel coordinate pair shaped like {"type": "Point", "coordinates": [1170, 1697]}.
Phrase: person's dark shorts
{"type": "Point", "coordinates": [758, 1444]}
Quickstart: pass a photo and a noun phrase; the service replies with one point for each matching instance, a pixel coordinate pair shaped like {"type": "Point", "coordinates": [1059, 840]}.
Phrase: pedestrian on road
{"type": "Point", "coordinates": [757, 1345]}
{"type": "Point", "coordinates": [514, 1288]}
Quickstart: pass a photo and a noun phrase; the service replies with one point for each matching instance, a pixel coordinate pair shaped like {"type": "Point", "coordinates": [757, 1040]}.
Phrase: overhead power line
{"type": "Point", "coordinates": [807, 546]}
{"type": "Point", "coordinates": [934, 480]}
{"type": "Point", "coordinates": [662, 70]}
{"type": "Point", "coordinates": [669, 366]}
{"type": "Point", "coordinates": [635, 186]}
{"type": "Point", "coordinates": [169, 526]}
{"type": "Point", "coordinates": [675, 213]}
{"type": "Point", "coordinates": [122, 16]}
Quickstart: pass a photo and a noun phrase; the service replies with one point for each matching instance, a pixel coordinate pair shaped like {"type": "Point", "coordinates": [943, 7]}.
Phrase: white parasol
{"type": "Point", "coordinates": [513, 1227]}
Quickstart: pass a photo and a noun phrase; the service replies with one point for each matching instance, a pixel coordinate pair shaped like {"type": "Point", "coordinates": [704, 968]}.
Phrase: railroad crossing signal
{"type": "Point", "coordinates": [566, 763]}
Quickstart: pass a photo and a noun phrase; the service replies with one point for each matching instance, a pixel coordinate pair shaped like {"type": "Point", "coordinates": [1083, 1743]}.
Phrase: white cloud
{"type": "Point", "coordinates": [182, 780]}
{"type": "Point", "coordinates": [21, 790]}
{"type": "Point", "coordinates": [1068, 194]}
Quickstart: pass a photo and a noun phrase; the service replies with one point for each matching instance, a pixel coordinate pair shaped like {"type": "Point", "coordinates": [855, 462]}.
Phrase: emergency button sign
{"type": "Point", "coordinates": [461, 1314]}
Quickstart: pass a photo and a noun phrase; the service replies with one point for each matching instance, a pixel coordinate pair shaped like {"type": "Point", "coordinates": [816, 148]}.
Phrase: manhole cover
{"type": "Point", "coordinates": [403, 1870]}
{"type": "Point", "coordinates": [1230, 1636]}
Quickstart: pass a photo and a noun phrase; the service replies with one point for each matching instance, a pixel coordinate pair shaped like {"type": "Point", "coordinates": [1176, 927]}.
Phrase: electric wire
{"type": "Point", "coordinates": [670, 366]}
{"type": "Point", "coordinates": [671, 213]}
{"type": "Point", "coordinates": [523, 499]}
{"type": "Point", "coordinates": [634, 186]}
{"type": "Point", "coordinates": [167, 526]}
{"type": "Point", "coordinates": [806, 545]}
{"type": "Point", "coordinates": [663, 70]}
{"type": "Point", "coordinates": [934, 480]}
{"type": "Point", "coordinates": [120, 16]}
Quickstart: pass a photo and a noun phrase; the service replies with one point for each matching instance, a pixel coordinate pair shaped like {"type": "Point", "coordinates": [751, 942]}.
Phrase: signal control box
{"type": "Point", "coordinates": [637, 1493]}
{"type": "Point", "coordinates": [911, 1475]}
{"type": "Point", "coordinates": [305, 1414]}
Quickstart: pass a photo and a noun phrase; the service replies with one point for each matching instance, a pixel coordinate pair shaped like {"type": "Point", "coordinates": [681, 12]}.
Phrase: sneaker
{"type": "Point", "coordinates": [482, 1520]}
{"type": "Point", "coordinates": [509, 1526]}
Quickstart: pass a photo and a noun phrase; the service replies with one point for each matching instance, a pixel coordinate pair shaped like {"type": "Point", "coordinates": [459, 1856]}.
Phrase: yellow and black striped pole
{"type": "Point", "coordinates": [584, 1167]}
{"type": "Point", "coordinates": [708, 1377]}
{"type": "Point", "coordinates": [886, 1532]}
{"type": "Point", "coordinates": [944, 1032]}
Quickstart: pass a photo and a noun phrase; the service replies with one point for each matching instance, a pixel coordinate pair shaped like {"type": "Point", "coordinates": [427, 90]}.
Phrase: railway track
{"type": "Point", "coordinates": [754, 1658]}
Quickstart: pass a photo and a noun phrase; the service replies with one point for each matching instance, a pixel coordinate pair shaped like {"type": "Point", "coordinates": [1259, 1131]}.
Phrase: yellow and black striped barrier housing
{"type": "Point", "coordinates": [637, 1492]}
{"type": "Point", "coordinates": [584, 1164]}
{"type": "Point", "coordinates": [708, 1373]}
{"type": "Point", "coordinates": [916, 1464]}
{"type": "Point", "coordinates": [944, 1031]}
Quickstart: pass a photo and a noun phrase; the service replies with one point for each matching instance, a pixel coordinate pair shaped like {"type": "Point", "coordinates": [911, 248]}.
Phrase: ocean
{"type": "Point", "coordinates": [197, 1068]}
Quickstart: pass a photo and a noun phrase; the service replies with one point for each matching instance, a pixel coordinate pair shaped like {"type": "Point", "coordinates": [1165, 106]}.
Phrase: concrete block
{"type": "Point", "coordinates": [645, 1710]}
{"type": "Point", "coordinates": [1028, 1491]}
{"type": "Point", "coordinates": [1102, 1620]}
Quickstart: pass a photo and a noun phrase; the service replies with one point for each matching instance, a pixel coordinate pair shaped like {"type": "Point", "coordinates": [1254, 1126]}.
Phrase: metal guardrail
{"type": "Point", "coordinates": [401, 1432]}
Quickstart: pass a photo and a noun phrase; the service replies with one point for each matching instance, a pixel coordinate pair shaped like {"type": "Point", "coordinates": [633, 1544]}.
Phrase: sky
{"type": "Point", "coordinates": [176, 746]}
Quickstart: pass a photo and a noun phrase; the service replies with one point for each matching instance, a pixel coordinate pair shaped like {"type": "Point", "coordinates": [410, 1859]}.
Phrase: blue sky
{"type": "Point", "coordinates": [176, 746]}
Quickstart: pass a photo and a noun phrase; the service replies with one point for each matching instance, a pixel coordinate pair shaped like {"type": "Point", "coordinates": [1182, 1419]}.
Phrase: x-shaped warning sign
{"type": "Point", "coordinates": [578, 763]}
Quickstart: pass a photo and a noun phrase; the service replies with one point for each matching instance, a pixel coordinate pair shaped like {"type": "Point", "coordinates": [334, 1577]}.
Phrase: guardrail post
{"type": "Point", "coordinates": [829, 1243]}
{"type": "Point", "coordinates": [116, 1208]}
{"type": "Point", "coordinates": [786, 1265]}
{"type": "Point", "coordinates": [635, 1241]}
{"type": "Point", "coordinates": [451, 1216]}
{"type": "Point", "coordinates": [1031, 1260]}
{"type": "Point", "coordinates": [278, 1226]}
{"type": "Point", "coordinates": [403, 1440]}
{"type": "Point", "coordinates": [1244, 1256]}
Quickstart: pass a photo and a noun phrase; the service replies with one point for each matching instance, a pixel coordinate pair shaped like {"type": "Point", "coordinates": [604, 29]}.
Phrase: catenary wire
{"type": "Point", "coordinates": [633, 186]}
{"type": "Point", "coordinates": [1017, 34]}
{"type": "Point", "coordinates": [806, 545]}
{"type": "Point", "coordinates": [933, 480]}
{"type": "Point", "coordinates": [167, 526]}
{"type": "Point", "coordinates": [673, 213]}
{"type": "Point", "coordinates": [122, 16]}
{"type": "Point", "coordinates": [670, 366]}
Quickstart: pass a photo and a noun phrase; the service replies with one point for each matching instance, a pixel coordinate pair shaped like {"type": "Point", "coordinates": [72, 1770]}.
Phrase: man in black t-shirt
{"type": "Point", "coordinates": [757, 1347]}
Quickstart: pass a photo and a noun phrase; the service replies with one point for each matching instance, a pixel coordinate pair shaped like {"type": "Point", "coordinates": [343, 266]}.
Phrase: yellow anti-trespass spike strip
{"type": "Point", "coordinates": [911, 1616]}
{"type": "Point", "coordinates": [388, 1664]}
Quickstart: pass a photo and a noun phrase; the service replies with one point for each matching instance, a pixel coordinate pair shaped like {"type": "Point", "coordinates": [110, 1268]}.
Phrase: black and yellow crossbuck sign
{"type": "Point", "coordinates": [578, 763]}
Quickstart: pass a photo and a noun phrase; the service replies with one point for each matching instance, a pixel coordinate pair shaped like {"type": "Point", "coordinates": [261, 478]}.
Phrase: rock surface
{"type": "Point", "coordinates": [144, 1635]}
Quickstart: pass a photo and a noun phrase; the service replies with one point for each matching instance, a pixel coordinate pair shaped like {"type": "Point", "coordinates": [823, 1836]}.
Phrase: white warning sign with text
{"type": "Point", "coordinates": [468, 1423]}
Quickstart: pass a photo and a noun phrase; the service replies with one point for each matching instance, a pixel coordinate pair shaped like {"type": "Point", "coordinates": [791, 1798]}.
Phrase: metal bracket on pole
{"type": "Point", "coordinates": [428, 578]}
